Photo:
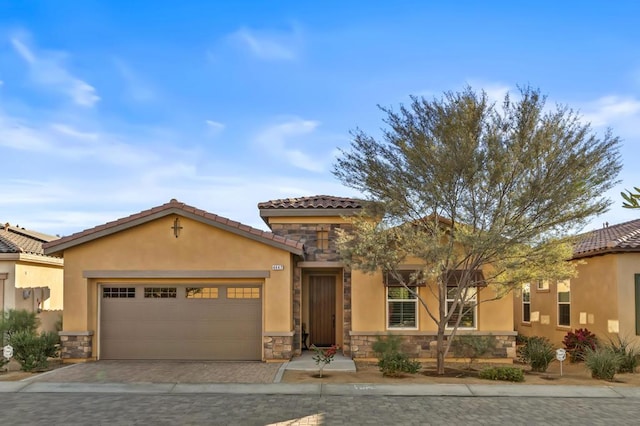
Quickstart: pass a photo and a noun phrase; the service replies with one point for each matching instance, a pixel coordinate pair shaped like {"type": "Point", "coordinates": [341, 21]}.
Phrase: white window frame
{"type": "Point", "coordinates": [414, 300]}
{"type": "Point", "coordinates": [559, 303]}
{"type": "Point", "coordinates": [526, 289]}
{"type": "Point", "coordinates": [542, 285]}
{"type": "Point", "coordinates": [473, 299]}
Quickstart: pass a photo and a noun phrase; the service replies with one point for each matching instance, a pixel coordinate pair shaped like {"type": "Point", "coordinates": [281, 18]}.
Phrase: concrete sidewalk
{"type": "Point", "coordinates": [364, 389]}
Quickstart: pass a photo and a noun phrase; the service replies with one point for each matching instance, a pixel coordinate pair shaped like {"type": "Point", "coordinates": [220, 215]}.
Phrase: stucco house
{"type": "Point", "coordinates": [29, 279]}
{"type": "Point", "coordinates": [177, 282]}
{"type": "Point", "coordinates": [604, 297]}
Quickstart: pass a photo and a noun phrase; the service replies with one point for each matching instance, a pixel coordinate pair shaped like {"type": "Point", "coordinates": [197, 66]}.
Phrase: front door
{"type": "Point", "coordinates": [322, 310]}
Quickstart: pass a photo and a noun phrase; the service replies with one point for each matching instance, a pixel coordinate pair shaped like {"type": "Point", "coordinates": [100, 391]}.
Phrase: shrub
{"type": "Point", "coordinates": [388, 344]}
{"type": "Point", "coordinates": [509, 374]}
{"type": "Point", "coordinates": [391, 360]}
{"type": "Point", "coordinates": [602, 362]}
{"type": "Point", "coordinates": [628, 354]}
{"type": "Point", "coordinates": [394, 364]}
{"type": "Point", "coordinates": [473, 347]}
{"type": "Point", "coordinates": [538, 353]}
{"type": "Point", "coordinates": [32, 351]}
{"type": "Point", "coordinates": [577, 342]}
{"type": "Point", "coordinates": [14, 320]}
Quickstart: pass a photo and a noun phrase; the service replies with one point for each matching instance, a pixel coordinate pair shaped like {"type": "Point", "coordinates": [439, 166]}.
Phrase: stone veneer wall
{"type": "Point", "coordinates": [307, 233]}
{"type": "Point", "coordinates": [346, 313]}
{"type": "Point", "coordinates": [76, 345]}
{"type": "Point", "coordinates": [424, 345]}
{"type": "Point", "coordinates": [277, 347]}
{"type": "Point", "coordinates": [297, 311]}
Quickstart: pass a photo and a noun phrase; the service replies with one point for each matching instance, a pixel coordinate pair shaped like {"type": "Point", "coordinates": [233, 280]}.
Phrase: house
{"type": "Point", "coordinates": [604, 297]}
{"type": "Point", "coordinates": [29, 279]}
{"type": "Point", "coordinates": [177, 282]}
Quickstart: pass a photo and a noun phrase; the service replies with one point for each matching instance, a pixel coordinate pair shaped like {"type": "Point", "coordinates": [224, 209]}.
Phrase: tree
{"type": "Point", "coordinates": [631, 199]}
{"type": "Point", "coordinates": [482, 196]}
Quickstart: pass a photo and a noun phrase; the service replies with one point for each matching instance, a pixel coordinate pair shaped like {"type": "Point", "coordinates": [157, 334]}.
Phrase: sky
{"type": "Point", "coordinates": [108, 108]}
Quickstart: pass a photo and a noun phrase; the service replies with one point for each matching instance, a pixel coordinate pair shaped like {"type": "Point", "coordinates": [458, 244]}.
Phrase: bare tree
{"type": "Point", "coordinates": [480, 195]}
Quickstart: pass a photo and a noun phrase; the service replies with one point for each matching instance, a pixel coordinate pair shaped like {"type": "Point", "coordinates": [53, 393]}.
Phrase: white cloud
{"type": "Point", "coordinates": [214, 126]}
{"type": "Point", "coordinates": [47, 70]}
{"type": "Point", "coordinates": [611, 109]}
{"type": "Point", "coordinates": [495, 91]}
{"type": "Point", "coordinates": [70, 131]}
{"type": "Point", "coordinates": [137, 89]}
{"type": "Point", "coordinates": [268, 45]}
{"type": "Point", "coordinates": [275, 138]}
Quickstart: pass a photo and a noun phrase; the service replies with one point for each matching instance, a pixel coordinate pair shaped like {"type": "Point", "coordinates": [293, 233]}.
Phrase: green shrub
{"type": "Point", "coordinates": [538, 353]}
{"type": "Point", "coordinates": [628, 354]}
{"type": "Point", "coordinates": [391, 360]}
{"type": "Point", "coordinates": [509, 374]}
{"type": "Point", "coordinates": [577, 342]}
{"type": "Point", "coordinates": [602, 362]}
{"type": "Point", "coordinates": [387, 344]}
{"type": "Point", "coordinates": [32, 351]}
{"type": "Point", "coordinates": [473, 347]}
{"type": "Point", "coordinates": [13, 321]}
{"type": "Point", "coordinates": [394, 364]}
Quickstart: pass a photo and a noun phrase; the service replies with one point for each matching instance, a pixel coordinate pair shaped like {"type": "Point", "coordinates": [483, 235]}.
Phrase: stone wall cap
{"type": "Point", "coordinates": [75, 333]}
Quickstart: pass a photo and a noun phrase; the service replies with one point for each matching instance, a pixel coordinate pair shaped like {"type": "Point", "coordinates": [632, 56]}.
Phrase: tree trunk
{"type": "Point", "coordinates": [440, 350]}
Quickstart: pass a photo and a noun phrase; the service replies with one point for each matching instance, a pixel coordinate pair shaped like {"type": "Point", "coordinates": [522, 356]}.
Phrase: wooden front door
{"type": "Point", "coordinates": [322, 310]}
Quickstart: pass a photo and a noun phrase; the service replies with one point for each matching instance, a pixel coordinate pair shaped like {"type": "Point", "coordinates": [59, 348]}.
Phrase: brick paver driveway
{"type": "Point", "coordinates": [163, 372]}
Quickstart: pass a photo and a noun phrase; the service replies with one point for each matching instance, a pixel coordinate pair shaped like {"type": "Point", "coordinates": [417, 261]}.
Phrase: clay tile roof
{"type": "Point", "coordinates": [616, 238]}
{"type": "Point", "coordinates": [313, 202]}
{"type": "Point", "coordinates": [173, 207]}
{"type": "Point", "coordinates": [14, 239]}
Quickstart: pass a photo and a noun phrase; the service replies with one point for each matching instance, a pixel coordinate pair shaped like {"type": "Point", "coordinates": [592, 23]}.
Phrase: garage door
{"type": "Point", "coordinates": [180, 322]}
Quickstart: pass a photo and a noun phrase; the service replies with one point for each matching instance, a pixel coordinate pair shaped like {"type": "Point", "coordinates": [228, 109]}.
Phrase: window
{"type": "Point", "coordinates": [408, 277]}
{"type": "Point", "coordinates": [468, 299]}
{"type": "Point", "coordinates": [160, 292]}
{"type": "Point", "coordinates": [526, 302]}
{"type": "Point", "coordinates": [542, 285]}
{"type": "Point", "coordinates": [243, 293]}
{"type": "Point", "coordinates": [118, 292]}
{"type": "Point", "coordinates": [201, 292]}
{"type": "Point", "coordinates": [322, 240]}
{"type": "Point", "coordinates": [402, 307]}
{"type": "Point", "coordinates": [564, 303]}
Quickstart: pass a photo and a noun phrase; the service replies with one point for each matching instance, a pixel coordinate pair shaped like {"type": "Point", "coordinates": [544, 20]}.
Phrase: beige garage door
{"type": "Point", "coordinates": [180, 322]}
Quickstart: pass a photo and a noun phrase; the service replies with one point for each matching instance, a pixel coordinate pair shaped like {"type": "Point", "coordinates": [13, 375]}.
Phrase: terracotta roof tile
{"type": "Point", "coordinates": [313, 202]}
{"type": "Point", "coordinates": [621, 237]}
{"type": "Point", "coordinates": [293, 245]}
{"type": "Point", "coordinates": [19, 240]}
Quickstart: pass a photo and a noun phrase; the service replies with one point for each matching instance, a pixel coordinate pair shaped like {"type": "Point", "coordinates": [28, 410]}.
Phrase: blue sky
{"type": "Point", "coordinates": [112, 107]}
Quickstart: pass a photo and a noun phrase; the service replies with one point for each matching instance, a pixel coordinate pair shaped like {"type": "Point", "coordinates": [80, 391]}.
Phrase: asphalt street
{"type": "Point", "coordinates": [257, 409]}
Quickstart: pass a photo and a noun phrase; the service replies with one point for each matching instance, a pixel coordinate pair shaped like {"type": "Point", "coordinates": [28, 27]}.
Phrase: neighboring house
{"type": "Point", "coordinates": [29, 279]}
{"type": "Point", "coordinates": [604, 297]}
{"type": "Point", "coordinates": [176, 282]}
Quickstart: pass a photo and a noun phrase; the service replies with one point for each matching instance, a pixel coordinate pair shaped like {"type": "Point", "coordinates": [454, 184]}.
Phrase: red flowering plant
{"type": "Point", "coordinates": [323, 356]}
{"type": "Point", "coordinates": [577, 342]}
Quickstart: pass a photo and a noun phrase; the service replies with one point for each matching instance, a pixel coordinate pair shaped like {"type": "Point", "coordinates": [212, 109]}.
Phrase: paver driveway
{"type": "Point", "coordinates": [163, 372]}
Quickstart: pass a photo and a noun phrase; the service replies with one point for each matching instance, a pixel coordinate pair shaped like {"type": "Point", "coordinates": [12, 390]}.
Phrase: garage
{"type": "Point", "coordinates": [180, 321]}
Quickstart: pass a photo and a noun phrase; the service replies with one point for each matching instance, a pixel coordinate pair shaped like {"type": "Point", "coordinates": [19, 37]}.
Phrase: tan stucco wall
{"type": "Point", "coordinates": [153, 246]}
{"type": "Point", "coordinates": [369, 308]}
{"type": "Point", "coordinates": [602, 297]}
{"type": "Point", "coordinates": [33, 275]}
{"type": "Point", "coordinates": [45, 280]}
{"type": "Point", "coordinates": [628, 266]}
